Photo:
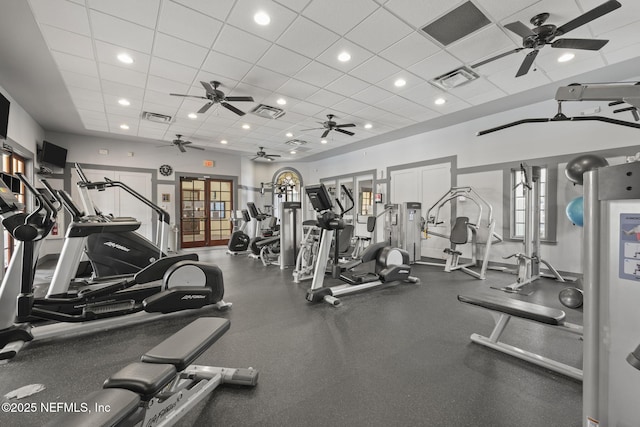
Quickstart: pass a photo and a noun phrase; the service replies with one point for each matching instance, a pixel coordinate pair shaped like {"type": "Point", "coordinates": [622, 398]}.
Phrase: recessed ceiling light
{"type": "Point", "coordinates": [323, 141]}
{"type": "Point", "coordinates": [293, 151]}
{"type": "Point", "coordinates": [224, 141]}
{"type": "Point", "coordinates": [566, 57]}
{"type": "Point", "coordinates": [344, 57]}
{"type": "Point", "coordinates": [439, 101]}
{"type": "Point", "coordinates": [368, 126]}
{"type": "Point", "coordinates": [246, 126]}
{"type": "Point", "coordinates": [400, 82]}
{"type": "Point", "coordinates": [124, 102]}
{"type": "Point", "coordinates": [281, 101]}
{"type": "Point", "coordinates": [262, 18]}
{"type": "Point", "coordinates": [192, 115]}
{"type": "Point", "coordinates": [125, 58]}
{"type": "Point", "coordinates": [289, 134]}
{"type": "Point", "coordinates": [124, 126]}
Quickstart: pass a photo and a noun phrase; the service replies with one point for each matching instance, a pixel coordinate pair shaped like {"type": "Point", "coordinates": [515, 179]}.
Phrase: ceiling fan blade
{"type": "Point", "coordinates": [325, 133]}
{"type": "Point", "coordinates": [273, 155]}
{"type": "Point", "coordinates": [207, 86]}
{"type": "Point", "coordinates": [232, 108]}
{"type": "Point", "coordinates": [181, 148]}
{"type": "Point", "coordinates": [589, 16]}
{"type": "Point", "coordinates": [346, 125]}
{"type": "Point", "coordinates": [344, 131]}
{"type": "Point", "coordinates": [527, 63]}
{"type": "Point", "coordinates": [196, 148]}
{"type": "Point", "coordinates": [239, 98]}
{"type": "Point", "coordinates": [205, 107]}
{"type": "Point", "coordinates": [519, 28]}
{"type": "Point", "coordinates": [304, 130]}
{"type": "Point", "coordinates": [188, 96]}
{"type": "Point", "coordinates": [586, 44]}
{"type": "Point", "coordinates": [493, 58]}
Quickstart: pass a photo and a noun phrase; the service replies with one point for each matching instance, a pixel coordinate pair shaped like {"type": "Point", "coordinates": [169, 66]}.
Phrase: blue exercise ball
{"type": "Point", "coordinates": [581, 164]}
{"type": "Point", "coordinates": [575, 211]}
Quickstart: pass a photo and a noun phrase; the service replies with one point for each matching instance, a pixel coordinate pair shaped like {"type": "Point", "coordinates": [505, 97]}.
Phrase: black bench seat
{"type": "Point", "coordinates": [517, 308]}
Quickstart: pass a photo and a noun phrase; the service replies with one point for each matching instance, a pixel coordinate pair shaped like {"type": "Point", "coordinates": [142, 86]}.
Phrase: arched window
{"type": "Point", "coordinates": [287, 184]}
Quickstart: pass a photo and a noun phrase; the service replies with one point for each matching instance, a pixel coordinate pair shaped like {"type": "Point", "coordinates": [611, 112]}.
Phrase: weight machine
{"type": "Point", "coordinates": [482, 231]}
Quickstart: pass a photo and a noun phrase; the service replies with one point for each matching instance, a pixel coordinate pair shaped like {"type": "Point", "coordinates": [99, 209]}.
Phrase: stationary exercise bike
{"type": "Point", "coordinates": [239, 240]}
{"type": "Point", "coordinates": [390, 264]}
{"type": "Point", "coordinates": [23, 308]}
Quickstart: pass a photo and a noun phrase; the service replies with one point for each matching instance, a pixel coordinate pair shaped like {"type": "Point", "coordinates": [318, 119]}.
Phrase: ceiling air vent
{"type": "Point", "coordinates": [460, 22]}
{"type": "Point", "coordinates": [267, 111]}
{"type": "Point", "coordinates": [296, 142]}
{"type": "Point", "coordinates": [455, 78]}
{"type": "Point", "coordinates": [156, 117]}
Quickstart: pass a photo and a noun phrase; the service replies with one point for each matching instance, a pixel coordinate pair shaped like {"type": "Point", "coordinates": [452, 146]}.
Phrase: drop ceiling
{"type": "Point", "coordinates": [72, 45]}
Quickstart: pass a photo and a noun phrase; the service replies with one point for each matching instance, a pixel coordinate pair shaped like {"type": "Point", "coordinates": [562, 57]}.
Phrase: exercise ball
{"type": "Point", "coordinates": [581, 164]}
{"type": "Point", "coordinates": [575, 211]}
{"type": "Point", "coordinates": [571, 297]}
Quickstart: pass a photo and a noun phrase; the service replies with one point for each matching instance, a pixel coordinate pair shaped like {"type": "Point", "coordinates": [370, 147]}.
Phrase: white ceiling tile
{"type": "Point", "coordinates": [411, 49]}
{"type": "Point", "coordinates": [347, 85]}
{"type": "Point", "coordinates": [263, 78]}
{"type": "Point", "coordinates": [305, 108]}
{"type": "Point", "coordinates": [560, 12]}
{"type": "Point", "coordinates": [189, 25]}
{"type": "Point", "coordinates": [179, 51]}
{"type": "Point", "coordinates": [242, 17]}
{"type": "Point", "coordinates": [379, 31]}
{"type": "Point", "coordinates": [482, 43]}
{"type": "Point", "coordinates": [122, 90]}
{"type": "Point", "coordinates": [485, 97]}
{"type": "Point", "coordinates": [325, 98]}
{"type": "Point", "coordinates": [374, 70]}
{"type": "Point", "coordinates": [297, 5]}
{"type": "Point", "coordinates": [422, 94]}
{"type": "Point", "coordinates": [172, 70]}
{"type": "Point", "coordinates": [623, 54]}
{"type": "Point", "coordinates": [218, 9]}
{"type": "Point", "coordinates": [317, 74]}
{"type": "Point", "coordinates": [453, 104]}
{"type": "Point", "coordinates": [62, 14]}
{"type": "Point", "coordinates": [122, 75]}
{"type": "Point", "coordinates": [435, 65]}
{"type": "Point", "coordinates": [372, 95]}
{"type": "Point", "coordinates": [372, 113]}
{"type": "Point", "coordinates": [81, 80]}
{"type": "Point", "coordinates": [115, 108]}
{"type": "Point", "coordinates": [76, 64]}
{"type": "Point", "coordinates": [411, 81]}
{"type": "Point", "coordinates": [474, 88]}
{"type": "Point", "coordinates": [122, 33]}
{"type": "Point", "coordinates": [350, 106]}
{"type": "Point", "coordinates": [307, 38]}
{"type": "Point", "coordinates": [420, 12]}
{"type": "Point", "coordinates": [231, 38]}
{"type": "Point", "coordinates": [297, 89]}
{"type": "Point", "coordinates": [150, 133]}
{"type": "Point", "coordinates": [89, 104]}
{"type": "Point", "coordinates": [623, 36]}
{"type": "Point", "coordinates": [221, 65]}
{"type": "Point", "coordinates": [160, 84]}
{"type": "Point", "coordinates": [511, 62]}
{"type": "Point", "coordinates": [244, 89]}
{"type": "Point", "coordinates": [507, 81]}
{"type": "Point", "coordinates": [574, 67]}
{"type": "Point", "coordinates": [628, 13]}
{"type": "Point", "coordinates": [92, 115]}
{"type": "Point", "coordinates": [358, 55]}
{"type": "Point", "coordinates": [547, 59]}
{"type": "Point", "coordinates": [349, 13]}
{"type": "Point", "coordinates": [142, 12]}
{"type": "Point", "coordinates": [108, 54]}
{"type": "Point", "coordinates": [163, 98]}
{"type": "Point", "coordinates": [499, 9]}
{"type": "Point", "coordinates": [67, 42]}
{"type": "Point", "coordinates": [283, 61]}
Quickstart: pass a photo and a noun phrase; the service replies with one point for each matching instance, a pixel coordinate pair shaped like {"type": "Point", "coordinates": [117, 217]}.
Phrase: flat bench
{"type": "Point", "coordinates": [164, 385]}
{"type": "Point", "coordinates": [508, 308]}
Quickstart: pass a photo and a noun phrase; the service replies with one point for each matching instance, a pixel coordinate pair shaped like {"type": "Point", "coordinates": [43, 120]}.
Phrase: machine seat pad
{"type": "Point", "coordinates": [459, 232]}
{"type": "Point", "coordinates": [146, 379]}
{"type": "Point", "coordinates": [186, 345]}
{"type": "Point", "coordinates": [311, 222]}
{"type": "Point", "coordinates": [155, 270]}
{"type": "Point", "coordinates": [517, 308]}
{"type": "Point", "coordinates": [452, 251]}
{"type": "Point", "coordinates": [121, 404]}
{"type": "Point", "coordinates": [267, 241]}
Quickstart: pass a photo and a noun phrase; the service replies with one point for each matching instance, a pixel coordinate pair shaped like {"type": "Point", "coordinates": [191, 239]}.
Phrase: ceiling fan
{"type": "Point", "coordinates": [182, 144]}
{"type": "Point", "coordinates": [330, 125]}
{"type": "Point", "coordinates": [544, 34]}
{"type": "Point", "coordinates": [261, 154]}
{"type": "Point", "coordinates": [216, 96]}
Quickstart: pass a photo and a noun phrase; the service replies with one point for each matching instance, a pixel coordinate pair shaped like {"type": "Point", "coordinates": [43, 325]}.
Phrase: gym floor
{"type": "Point", "coordinates": [398, 355]}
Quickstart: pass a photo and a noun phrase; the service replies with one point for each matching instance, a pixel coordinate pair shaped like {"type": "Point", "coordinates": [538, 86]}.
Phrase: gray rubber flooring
{"type": "Point", "coordinates": [394, 356]}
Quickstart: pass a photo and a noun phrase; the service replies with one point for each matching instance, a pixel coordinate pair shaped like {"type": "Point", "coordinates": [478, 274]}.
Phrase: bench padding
{"type": "Point", "coordinates": [186, 345]}
{"type": "Point", "coordinates": [146, 379]}
{"type": "Point", "coordinates": [517, 308]}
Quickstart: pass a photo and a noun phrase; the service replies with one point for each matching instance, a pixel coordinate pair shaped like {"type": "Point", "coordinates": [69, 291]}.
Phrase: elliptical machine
{"type": "Point", "coordinates": [390, 264]}
{"type": "Point", "coordinates": [155, 289]}
{"type": "Point", "coordinates": [239, 241]}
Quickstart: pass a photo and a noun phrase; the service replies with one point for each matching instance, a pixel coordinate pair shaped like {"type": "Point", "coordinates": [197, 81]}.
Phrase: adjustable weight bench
{"type": "Point", "coordinates": [508, 308]}
{"type": "Point", "coordinates": [164, 385]}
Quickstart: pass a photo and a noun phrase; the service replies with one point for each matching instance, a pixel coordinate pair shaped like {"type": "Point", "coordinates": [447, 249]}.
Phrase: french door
{"type": "Point", "coordinates": [205, 216]}
{"type": "Point", "coordinates": [12, 163]}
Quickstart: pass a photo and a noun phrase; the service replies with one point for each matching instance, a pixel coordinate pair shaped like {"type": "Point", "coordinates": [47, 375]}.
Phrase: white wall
{"type": "Point", "coordinates": [22, 128]}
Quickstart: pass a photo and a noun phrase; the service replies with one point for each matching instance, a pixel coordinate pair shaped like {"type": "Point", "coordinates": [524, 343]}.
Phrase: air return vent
{"type": "Point", "coordinates": [460, 22]}
{"type": "Point", "coordinates": [156, 117]}
{"type": "Point", "coordinates": [455, 78]}
{"type": "Point", "coordinates": [296, 142]}
{"type": "Point", "coordinates": [267, 111]}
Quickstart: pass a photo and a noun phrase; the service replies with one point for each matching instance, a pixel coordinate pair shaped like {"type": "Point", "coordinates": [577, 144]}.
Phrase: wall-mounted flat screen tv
{"type": "Point", "coordinates": [53, 155]}
{"type": "Point", "coordinates": [4, 116]}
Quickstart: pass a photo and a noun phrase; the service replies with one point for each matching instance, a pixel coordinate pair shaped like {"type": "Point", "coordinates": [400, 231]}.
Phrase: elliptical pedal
{"type": "Point", "coordinates": [110, 307]}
